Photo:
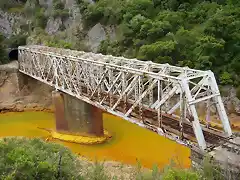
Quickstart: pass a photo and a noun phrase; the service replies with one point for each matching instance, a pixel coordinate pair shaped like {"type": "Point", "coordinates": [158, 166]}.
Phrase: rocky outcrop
{"type": "Point", "coordinates": [19, 92]}
{"type": "Point", "coordinates": [231, 102]}
{"type": "Point", "coordinates": [7, 22]}
{"type": "Point", "coordinates": [53, 25]}
{"type": "Point", "coordinates": [62, 28]}
{"type": "Point", "coordinates": [95, 36]}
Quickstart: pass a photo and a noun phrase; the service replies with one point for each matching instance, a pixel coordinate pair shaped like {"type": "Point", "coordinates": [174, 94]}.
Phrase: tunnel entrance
{"type": "Point", "coordinates": [13, 54]}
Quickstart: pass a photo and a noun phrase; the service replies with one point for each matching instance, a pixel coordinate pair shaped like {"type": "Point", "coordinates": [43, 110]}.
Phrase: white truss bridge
{"type": "Point", "coordinates": [160, 97]}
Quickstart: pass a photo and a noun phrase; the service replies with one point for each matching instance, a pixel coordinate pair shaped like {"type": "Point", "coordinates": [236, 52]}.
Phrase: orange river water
{"type": "Point", "coordinates": [129, 144]}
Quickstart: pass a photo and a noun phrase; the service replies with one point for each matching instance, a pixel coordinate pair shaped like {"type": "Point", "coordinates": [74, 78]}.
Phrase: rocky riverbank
{"type": "Point", "coordinates": [19, 92]}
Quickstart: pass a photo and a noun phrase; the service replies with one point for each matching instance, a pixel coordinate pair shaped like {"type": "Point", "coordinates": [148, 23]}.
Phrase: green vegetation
{"type": "Point", "coordinates": [12, 5]}
{"type": "Point", "coordinates": [201, 34]}
{"type": "Point", "coordinates": [238, 92]}
{"type": "Point", "coordinates": [3, 55]}
{"type": "Point", "coordinates": [40, 18]}
{"type": "Point", "coordinates": [16, 40]}
{"type": "Point", "coordinates": [198, 34]}
{"type": "Point", "coordinates": [23, 158]}
{"type": "Point", "coordinates": [34, 159]}
{"type": "Point", "coordinates": [58, 10]}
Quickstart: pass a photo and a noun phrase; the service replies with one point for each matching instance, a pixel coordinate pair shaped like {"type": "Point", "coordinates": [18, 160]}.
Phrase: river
{"type": "Point", "coordinates": [128, 144]}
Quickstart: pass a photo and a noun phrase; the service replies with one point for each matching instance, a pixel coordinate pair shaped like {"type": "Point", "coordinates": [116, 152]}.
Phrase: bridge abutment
{"type": "Point", "coordinates": [76, 117]}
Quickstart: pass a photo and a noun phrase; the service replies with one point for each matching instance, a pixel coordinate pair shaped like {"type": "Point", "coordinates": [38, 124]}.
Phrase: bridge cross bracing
{"type": "Point", "coordinates": [160, 97]}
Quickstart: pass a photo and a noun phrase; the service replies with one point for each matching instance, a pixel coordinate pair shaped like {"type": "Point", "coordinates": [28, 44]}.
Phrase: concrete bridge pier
{"type": "Point", "coordinates": [76, 117]}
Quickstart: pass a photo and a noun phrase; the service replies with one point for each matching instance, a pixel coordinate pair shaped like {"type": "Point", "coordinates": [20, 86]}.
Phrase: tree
{"type": "Point", "coordinates": [24, 158]}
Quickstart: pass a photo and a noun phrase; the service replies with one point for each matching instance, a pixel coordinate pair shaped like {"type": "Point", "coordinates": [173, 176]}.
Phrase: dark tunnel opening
{"type": "Point", "coordinates": [13, 54]}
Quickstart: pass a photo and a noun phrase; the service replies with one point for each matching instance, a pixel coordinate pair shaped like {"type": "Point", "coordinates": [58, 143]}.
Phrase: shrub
{"type": "Point", "coordinates": [59, 44]}
{"type": "Point", "coordinates": [40, 19]}
{"type": "Point", "coordinates": [18, 9]}
{"type": "Point", "coordinates": [17, 40]}
{"type": "Point", "coordinates": [97, 172]}
{"type": "Point", "coordinates": [62, 13]}
{"type": "Point", "coordinates": [180, 174]}
{"type": "Point", "coordinates": [238, 92]}
{"type": "Point", "coordinates": [57, 4]}
{"type": "Point", "coordinates": [23, 158]}
{"type": "Point", "coordinates": [226, 78]}
{"type": "Point", "coordinates": [59, 10]}
{"type": "Point", "coordinates": [8, 4]}
{"type": "Point", "coordinates": [211, 170]}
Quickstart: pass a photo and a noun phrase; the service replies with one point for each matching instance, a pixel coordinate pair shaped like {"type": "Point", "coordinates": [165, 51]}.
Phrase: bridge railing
{"type": "Point", "coordinates": [145, 93]}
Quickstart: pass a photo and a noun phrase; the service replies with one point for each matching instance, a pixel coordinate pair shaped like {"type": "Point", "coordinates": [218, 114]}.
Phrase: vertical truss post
{"type": "Point", "coordinates": [140, 102]}
{"type": "Point", "coordinates": [86, 77]}
{"type": "Point", "coordinates": [159, 99]}
{"type": "Point", "coordinates": [91, 75]}
{"type": "Point", "coordinates": [124, 86]}
{"type": "Point", "coordinates": [208, 113]}
{"type": "Point", "coordinates": [101, 69]}
{"type": "Point", "coordinates": [110, 77]}
{"type": "Point", "coordinates": [100, 87]}
{"type": "Point", "coordinates": [219, 104]}
{"type": "Point", "coordinates": [182, 112]}
{"type": "Point", "coordinates": [78, 74]}
{"type": "Point", "coordinates": [167, 100]}
{"type": "Point", "coordinates": [151, 91]}
{"type": "Point", "coordinates": [196, 125]}
{"type": "Point", "coordinates": [55, 72]}
{"type": "Point", "coordinates": [136, 93]}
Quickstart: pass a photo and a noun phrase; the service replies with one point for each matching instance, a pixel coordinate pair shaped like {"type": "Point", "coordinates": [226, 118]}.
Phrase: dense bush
{"type": "Point", "coordinates": [199, 34]}
{"type": "Point", "coordinates": [59, 44]}
{"type": "Point", "coordinates": [59, 11]}
{"type": "Point", "coordinates": [62, 13]}
{"type": "Point", "coordinates": [174, 174]}
{"type": "Point", "coordinates": [3, 55]}
{"type": "Point", "coordinates": [40, 19]}
{"type": "Point", "coordinates": [34, 159]}
{"type": "Point", "coordinates": [16, 40]}
{"type": "Point", "coordinates": [23, 158]}
{"type": "Point", "coordinates": [8, 4]}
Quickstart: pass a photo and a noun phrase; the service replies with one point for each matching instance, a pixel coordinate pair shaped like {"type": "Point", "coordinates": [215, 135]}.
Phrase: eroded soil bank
{"type": "Point", "coordinates": [19, 92]}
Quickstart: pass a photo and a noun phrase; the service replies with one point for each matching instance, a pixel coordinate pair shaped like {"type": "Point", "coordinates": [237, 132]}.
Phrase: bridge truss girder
{"type": "Point", "coordinates": [138, 91]}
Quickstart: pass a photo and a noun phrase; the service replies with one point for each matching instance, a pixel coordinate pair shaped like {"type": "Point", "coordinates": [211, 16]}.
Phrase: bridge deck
{"type": "Point", "coordinates": [144, 93]}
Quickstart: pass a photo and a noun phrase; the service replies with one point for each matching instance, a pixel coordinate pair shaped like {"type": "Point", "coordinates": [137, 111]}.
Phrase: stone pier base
{"type": "Point", "coordinates": [77, 118]}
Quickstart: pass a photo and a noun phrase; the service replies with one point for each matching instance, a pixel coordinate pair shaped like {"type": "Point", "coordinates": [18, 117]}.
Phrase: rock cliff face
{"type": "Point", "coordinates": [10, 23]}
{"type": "Point", "coordinates": [19, 92]}
{"type": "Point", "coordinates": [231, 102]}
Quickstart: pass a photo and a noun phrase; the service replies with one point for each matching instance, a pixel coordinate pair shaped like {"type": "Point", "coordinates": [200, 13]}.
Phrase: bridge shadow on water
{"type": "Point", "coordinates": [128, 144]}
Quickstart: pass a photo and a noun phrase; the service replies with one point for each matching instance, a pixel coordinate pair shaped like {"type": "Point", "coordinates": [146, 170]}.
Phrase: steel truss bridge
{"type": "Point", "coordinates": [160, 97]}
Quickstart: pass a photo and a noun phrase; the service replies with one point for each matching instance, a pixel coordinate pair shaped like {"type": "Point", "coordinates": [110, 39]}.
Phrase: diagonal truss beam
{"type": "Point", "coordinates": [146, 93]}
